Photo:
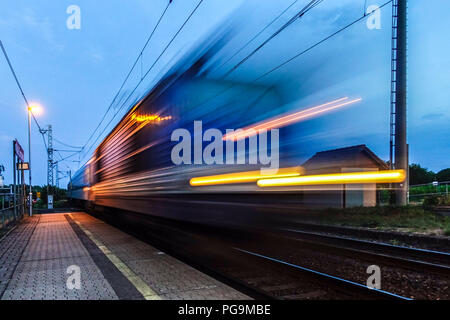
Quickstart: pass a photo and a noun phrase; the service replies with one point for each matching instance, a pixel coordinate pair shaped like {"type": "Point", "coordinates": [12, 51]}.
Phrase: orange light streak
{"type": "Point", "coordinates": [150, 118]}
{"type": "Point", "coordinates": [290, 118]}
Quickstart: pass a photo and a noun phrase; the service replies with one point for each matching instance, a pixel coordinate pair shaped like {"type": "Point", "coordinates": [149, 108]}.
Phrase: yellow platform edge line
{"type": "Point", "coordinates": [139, 284]}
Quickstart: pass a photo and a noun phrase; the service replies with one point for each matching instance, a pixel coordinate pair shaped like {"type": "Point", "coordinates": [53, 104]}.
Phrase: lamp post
{"type": "Point", "coordinates": [37, 109]}
{"type": "Point", "coordinates": [30, 110]}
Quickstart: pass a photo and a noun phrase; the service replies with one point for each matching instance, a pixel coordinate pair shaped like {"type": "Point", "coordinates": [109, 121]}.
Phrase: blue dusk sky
{"type": "Point", "coordinates": [75, 74]}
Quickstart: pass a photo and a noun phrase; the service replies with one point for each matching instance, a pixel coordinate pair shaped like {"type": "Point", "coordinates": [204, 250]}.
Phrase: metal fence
{"type": "Point", "coordinates": [12, 209]}
{"type": "Point", "coordinates": [421, 191]}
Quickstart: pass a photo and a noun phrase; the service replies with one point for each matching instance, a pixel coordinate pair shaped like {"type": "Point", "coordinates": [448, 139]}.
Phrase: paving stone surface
{"type": "Point", "coordinates": [35, 257]}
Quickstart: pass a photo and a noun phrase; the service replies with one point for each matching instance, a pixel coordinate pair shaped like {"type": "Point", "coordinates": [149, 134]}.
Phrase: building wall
{"type": "Point", "coordinates": [357, 195]}
{"type": "Point", "coordinates": [341, 196]}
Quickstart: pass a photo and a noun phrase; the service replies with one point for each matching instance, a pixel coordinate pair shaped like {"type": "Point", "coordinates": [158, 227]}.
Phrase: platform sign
{"type": "Point", "coordinates": [24, 166]}
{"type": "Point", "coordinates": [18, 150]}
{"type": "Point", "coordinates": [50, 201]}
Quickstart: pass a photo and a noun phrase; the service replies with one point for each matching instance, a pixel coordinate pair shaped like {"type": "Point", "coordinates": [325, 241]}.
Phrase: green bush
{"type": "Point", "coordinates": [39, 204]}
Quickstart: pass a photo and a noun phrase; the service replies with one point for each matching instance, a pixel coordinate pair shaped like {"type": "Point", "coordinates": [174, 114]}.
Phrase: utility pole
{"type": "Point", "coordinates": [57, 174]}
{"type": "Point", "coordinates": [398, 141]}
{"type": "Point", "coordinates": [50, 150]}
{"type": "Point", "coordinates": [50, 164]}
{"type": "Point", "coordinates": [50, 177]}
{"type": "Point", "coordinates": [30, 213]}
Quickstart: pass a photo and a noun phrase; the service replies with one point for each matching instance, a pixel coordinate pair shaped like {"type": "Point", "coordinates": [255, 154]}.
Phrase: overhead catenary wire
{"type": "Point", "coordinates": [256, 36]}
{"type": "Point", "coordinates": [233, 84]}
{"type": "Point", "coordinates": [320, 42]}
{"type": "Point", "coordinates": [284, 62]}
{"type": "Point", "coordinates": [41, 130]}
{"type": "Point", "coordinates": [129, 73]}
{"type": "Point", "coordinates": [308, 7]}
{"type": "Point", "coordinates": [67, 145]}
{"type": "Point", "coordinates": [67, 157]}
{"type": "Point", "coordinates": [21, 91]}
{"type": "Point", "coordinates": [145, 75]}
{"type": "Point", "coordinates": [298, 15]}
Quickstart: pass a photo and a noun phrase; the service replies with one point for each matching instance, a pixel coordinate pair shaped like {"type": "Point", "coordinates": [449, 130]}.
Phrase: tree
{"type": "Point", "coordinates": [443, 175]}
{"type": "Point", "coordinates": [419, 175]}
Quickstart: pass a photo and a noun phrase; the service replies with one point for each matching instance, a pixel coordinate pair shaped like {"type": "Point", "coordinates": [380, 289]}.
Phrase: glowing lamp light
{"type": "Point", "coordinates": [243, 177]}
{"type": "Point", "coordinates": [388, 176]}
{"type": "Point", "coordinates": [35, 109]}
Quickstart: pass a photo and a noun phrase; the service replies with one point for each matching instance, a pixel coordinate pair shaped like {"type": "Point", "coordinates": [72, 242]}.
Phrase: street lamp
{"type": "Point", "coordinates": [35, 109]}
{"type": "Point", "coordinates": [32, 109]}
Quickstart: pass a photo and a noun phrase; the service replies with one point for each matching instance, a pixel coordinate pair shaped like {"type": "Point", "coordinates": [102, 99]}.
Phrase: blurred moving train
{"type": "Point", "coordinates": [132, 168]}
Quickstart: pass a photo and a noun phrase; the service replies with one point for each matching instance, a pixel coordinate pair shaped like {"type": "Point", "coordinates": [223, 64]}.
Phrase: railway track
{"type": "Point", "coordinates": [339, 284]}
{"type": "Point", "coordinates": [407, 240]}
{"type": "Point", "coordinates": [257, 275]}
{"type": "Point", "coordinates": [428, 261]}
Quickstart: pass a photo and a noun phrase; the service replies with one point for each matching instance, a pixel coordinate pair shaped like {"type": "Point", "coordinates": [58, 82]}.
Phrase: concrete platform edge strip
{"type": "Point", "coordinates": [126, 283]}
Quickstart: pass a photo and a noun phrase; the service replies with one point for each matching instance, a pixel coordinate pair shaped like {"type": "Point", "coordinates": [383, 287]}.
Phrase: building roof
{"type": "Point", "coordinates": [351, 157]}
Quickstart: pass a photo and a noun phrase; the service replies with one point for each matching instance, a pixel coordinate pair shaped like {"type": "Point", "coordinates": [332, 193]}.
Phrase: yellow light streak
{"type": "Point", "coordinates": [388, 176]}
{"type": "Point", "coordinates": [243, 177]}
{"type": "Point", "coordinates": [150, 118]}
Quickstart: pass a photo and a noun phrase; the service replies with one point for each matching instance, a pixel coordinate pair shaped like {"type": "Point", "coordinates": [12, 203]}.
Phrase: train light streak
{"type": "Point", "coordinates": [150, 118]}
{"type": "Point", "coordinates": [388, 176]}
{"type": "Point", "coordinates": [243, 177]}
{"type": "Point", "coordinates": [289, 119]}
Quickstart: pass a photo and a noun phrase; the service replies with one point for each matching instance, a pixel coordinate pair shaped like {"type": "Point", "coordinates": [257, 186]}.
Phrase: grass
{"type": "Point", "coordinates": [427, 189]}
{"type": "Point", "coordinates": [409, 219]}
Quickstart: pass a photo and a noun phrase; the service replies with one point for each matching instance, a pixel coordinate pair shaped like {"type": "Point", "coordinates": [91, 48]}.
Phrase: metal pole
{"type": "Point", "coordinates": [401, 149]}
{"type": "Point", "coordinates": [57, 174]}
{"type": "Point", "coordinates": [24, 192]}
{"type": "Point", "coordinates": [14, 176]}
{"type": "Point", "coordinates": [29, 161]}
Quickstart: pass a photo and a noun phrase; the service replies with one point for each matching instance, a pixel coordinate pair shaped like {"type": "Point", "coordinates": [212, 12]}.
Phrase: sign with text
{"type": "Point", "coordinates": [50, 201]}
{"type": "Point", "coordinates": [18, 150]}
{"type": "Point", "coordinates": [24, 166]}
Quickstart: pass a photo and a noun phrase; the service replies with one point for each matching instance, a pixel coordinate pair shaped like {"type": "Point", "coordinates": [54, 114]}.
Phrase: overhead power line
{"type": "Point", "coordinates": [67, 145]}
{"type": "Point", "coordinates": [21, 91]}
{"type": "Point", "coordinates": [319, 42]}
{"type": "Point", "coordinates": [145, 75]}
{"type": "Point", "coordinates": [257, 35]}
{"type": "Point", "coordinates": [233, 84]}
{"type": "Point", "coordinates": [301, 13]}
{"type": "Point", "coordinates": [41, 130]}
{"type": "Point", "coordinates": [129, 73]}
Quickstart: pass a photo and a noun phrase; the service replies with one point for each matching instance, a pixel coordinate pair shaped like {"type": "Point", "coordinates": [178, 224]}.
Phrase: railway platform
{"type": "Point", "coordinates": [74, 256]}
